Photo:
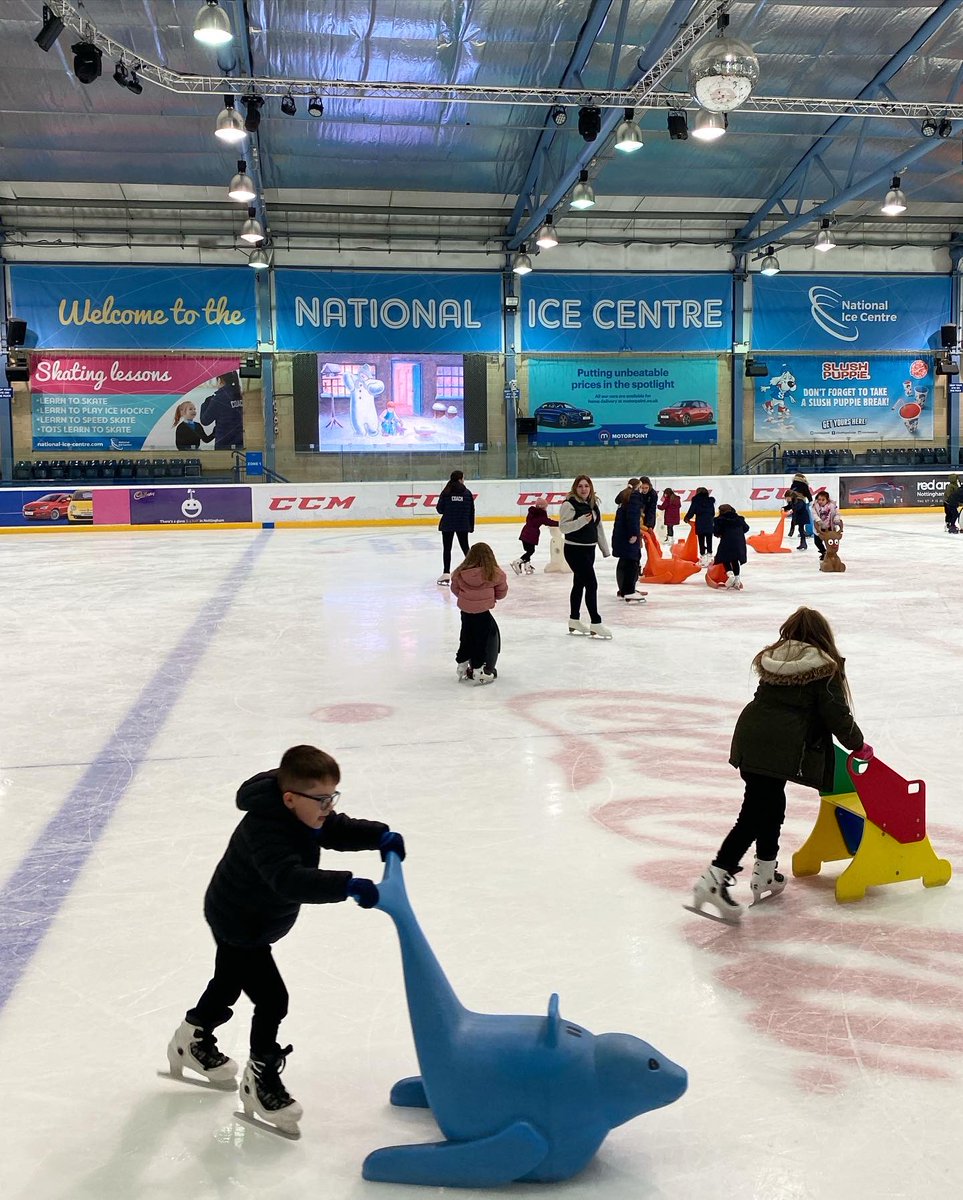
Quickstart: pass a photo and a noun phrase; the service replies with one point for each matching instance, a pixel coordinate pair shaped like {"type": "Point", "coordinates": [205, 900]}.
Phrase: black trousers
{"type": "Point", "coordinates": [705, 543]}
{"type": "Point", "coordinates": [480, 641]}
{"type": "Point", "coordinates": [730, 566]}
{"type": "Point", "coordinates": [582, 561]}
{"type": "Point", "coordinates": [253, 971]}
{"type": "Point", "coordinates": [447, 537]}
{"type": "Point", "coordinates": [818, 542]}
{"type": "Point", "coordinates": [952, 514]}
{"type": "Point", "coordinates": [627, 572]}
{"type": "Point", "coordinates": [529, 548]}
{"type": "Point", "coordinates": [760, 820]}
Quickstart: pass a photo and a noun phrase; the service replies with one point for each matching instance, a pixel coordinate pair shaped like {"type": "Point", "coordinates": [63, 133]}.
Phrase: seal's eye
{"type": "Point", "coordinates": [653, 1064]}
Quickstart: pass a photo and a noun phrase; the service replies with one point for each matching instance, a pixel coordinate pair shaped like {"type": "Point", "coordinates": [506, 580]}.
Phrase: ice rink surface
{"type": "Point", "coordinates": [555, 822]}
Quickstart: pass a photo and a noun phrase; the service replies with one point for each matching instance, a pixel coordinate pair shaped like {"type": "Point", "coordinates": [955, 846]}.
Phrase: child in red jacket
{"type": "Point", "coordinates": [478, 583]}
{"type": "Point", "coordinates": [537, 517]}
{"type": "Point", "coordinates": [671, 506]}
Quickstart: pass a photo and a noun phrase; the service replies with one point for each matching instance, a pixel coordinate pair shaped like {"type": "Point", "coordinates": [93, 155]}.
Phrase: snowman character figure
{"type": "Point", "coordinates": [363, 387]}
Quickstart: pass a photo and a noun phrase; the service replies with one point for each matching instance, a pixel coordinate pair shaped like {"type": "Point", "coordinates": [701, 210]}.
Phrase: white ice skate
{"type": "Point", "coordinates": [444, 579]}
{"type": "Point", "coordinates": [516, 565]}
{"type": "Point", "coordinates": [264, 1098]}
{"type": "Point", "coordinates": [766, 881]}
{"type": "Point", "coordinates": [712, 888]}
{"type": "Point", "coordinates": [597, 629]}
{"type": "Point", "coordinates": [635, 597]}
{"type": "Point", "coordinates": [482, 677]}
{"type": "Point", "coordinates": [576, 626]}
{"type": "Point", "coordinates": [732, 583]}
{"type": "Point", "coordinates": [463, 670]}
{"type": "Point", "coordinates": [529, 569]}
{"type": "Point", "coordinates": [196, 1050]}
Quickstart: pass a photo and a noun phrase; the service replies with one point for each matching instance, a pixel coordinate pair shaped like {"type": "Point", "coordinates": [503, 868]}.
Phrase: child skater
{"type": "Point", "coordinates": [580, 520]}
{"type": "Point", "coordinates": [537, 517]}
{"type": "Point", "coordinates": [785, 734]}
{"type": "Point", "coordinates": [478, 583]}
{"type": "Point", "coordinates": [826, 519]}
{"type": "Point", "coordinates": [627, 543]}
{"type": "Point", "coordinates": [731, 529]}
{"type": "Point", "coordinates": [270, 868]}
{"type": "Point", "coordinates": [802, 517]}
{"type": "Point", "coordinates": [670, 507]}
{"type": "Point", "coordinates": [702, 509]}
{"type": "Point", "coordinates": [650, 501]}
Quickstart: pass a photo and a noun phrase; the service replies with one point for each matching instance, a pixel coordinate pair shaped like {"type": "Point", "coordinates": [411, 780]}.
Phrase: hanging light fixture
{"type": "Point", "coordinates": [589, 122]}
{"type": "Point", "coordinates": [120, 74]}
{"type": "Point", "coordinates": [723, 72]}
{"type": "Point", "coordinates": [628, 136]}
{"type": "Point", "coordinates": [259, 260]}
{"type": "Point", "coordinates": [769, 264]}
{"type": "Point", "coordinates": [316, 107]}
{"type": "Point", "coordinates": [583, 194]}
{"type": "Point", "coordinates": [288, 105]}
{"type": "Point", "coordinates": [709, 126]}
{"type": "Point", "coordinates": [895, 202]}
{"type": "Point", "coordinates": [242, 185]}
{"type": "Point", "coordinates": [134, 84]}
{"type": "Point", "coordinates": [212, 25]}
{"type": "Point", "coordinates": [230, 126]}
{"type": "Point", "coordinates": [522, 264]}
{"type": "Point", "coordinates": [251, 230]}
{"type": "Point", "coordinates": [824, 238]}
{"type": "Point", "coordinates": [547, 238]}
{"type": "Point", "coordinates": [678, 124]}
{"type": "Point", "coordinates": [53, 27]}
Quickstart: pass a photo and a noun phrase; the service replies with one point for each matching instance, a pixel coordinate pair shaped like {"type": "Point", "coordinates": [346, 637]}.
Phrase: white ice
{"type": "Point", "coordinates": [555, 822]}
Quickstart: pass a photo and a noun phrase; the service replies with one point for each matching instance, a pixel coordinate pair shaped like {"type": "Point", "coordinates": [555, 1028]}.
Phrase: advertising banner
{"type": "Point", "coordinates": [151, 402]}
{"type": "Point", "coordinates": [619, 401]}
{"type": "Point", "coordinates": [189, 506]}
{"type": "Point", "coordinates": [580, 312]}
{"type": "Point", "coordinates": [852, 314]}
{"type": "Point", "coordinates": [342, 312]}
{"type": "Point", "coordinates": [846, 399]}
{"type": "Point", "coordinates": [135, 308]}
{"type": "Point", "coordinates": [892, 491]}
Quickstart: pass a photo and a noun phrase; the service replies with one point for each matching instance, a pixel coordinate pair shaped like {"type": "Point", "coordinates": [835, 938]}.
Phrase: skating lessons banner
{"type": "Point", "coordinates": [850, 399]}
{"type": "Point", "coordinates": [616, 313]}
{"type": "Point", "coordinates": [353, 312]}
{"type": "Point", "coordinates": [851, 313]}
{"type": "Point", "coordinates": [105, 402]}
{"type": "Point", "coordinates": [621, 401]}
{"type": "Point", "coordinates": [135, 308]}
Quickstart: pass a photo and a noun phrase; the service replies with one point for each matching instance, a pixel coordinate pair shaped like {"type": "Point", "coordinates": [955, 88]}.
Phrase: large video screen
{"type": "Point", "coordinates": [382, 402]}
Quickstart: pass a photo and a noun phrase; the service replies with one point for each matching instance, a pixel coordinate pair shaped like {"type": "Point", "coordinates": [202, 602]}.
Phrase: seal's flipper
{"type": "Point", "coordinates": [409, 1093]}
{"type": "Point", "coordinates": [487, 1162]}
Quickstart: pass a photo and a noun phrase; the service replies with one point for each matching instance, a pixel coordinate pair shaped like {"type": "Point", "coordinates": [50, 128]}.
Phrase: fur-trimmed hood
{"type": "Point", "coordinates": [794, 663]}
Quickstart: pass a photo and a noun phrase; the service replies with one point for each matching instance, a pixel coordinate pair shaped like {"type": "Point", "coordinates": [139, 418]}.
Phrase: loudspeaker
{"type": "Point", "coordinates": [18, 368]}
{"type": "Point", "coordinates": [944, 365]}
{"type": "Point", "coordinates": [948, 337]}
{"type": "Point", "coordinates": [755, 369]}
{"type": "Point", "coordinates": [250, 367]}
{"type": "Point", "coordinates": [526, 426]}
{"type": "Point", "coordinates": [17, 332]}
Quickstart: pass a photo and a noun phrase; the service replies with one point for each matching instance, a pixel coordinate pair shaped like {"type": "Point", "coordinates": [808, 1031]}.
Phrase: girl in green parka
{"type": "Point", "coordinates": [784, 734]}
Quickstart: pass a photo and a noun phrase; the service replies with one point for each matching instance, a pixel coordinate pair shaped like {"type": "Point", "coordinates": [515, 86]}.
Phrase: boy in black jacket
{"type": "Point", "coordinates": [270, 868]}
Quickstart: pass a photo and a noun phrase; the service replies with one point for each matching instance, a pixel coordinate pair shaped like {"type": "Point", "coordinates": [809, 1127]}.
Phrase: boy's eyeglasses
{"type": "Point", "coordinates": [328, 801]}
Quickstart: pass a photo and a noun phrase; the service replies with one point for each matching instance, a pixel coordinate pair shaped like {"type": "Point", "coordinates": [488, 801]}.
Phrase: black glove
{"type": "Point", "coordinates": [364, 891]}
{"type": "Point", "coordinates": [392, 842]}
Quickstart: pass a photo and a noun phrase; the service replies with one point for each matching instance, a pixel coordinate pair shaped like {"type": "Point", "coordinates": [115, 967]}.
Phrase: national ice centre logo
{"type": "Point", "coordinates": [839, 317]}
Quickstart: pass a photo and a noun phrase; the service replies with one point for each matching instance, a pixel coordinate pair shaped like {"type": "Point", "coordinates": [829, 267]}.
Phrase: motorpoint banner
{"type": "Point", "coordinates": [850, 314]}
{"type": "Point", "coordinates": [135, 308]}
{"type": "Point", "coordinates": [584, 312]}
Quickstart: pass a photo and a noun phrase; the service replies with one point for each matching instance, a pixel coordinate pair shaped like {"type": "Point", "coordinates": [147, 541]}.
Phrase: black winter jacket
{"type": "Point", "coordinates": [270, 866]}
{"type": "Point", "coordinates": [703, 509]}
{"type": "Point", "coordinates": [457, 508]}
{"type": "Point", "coordinates": [731, 530]}
{"type": "Point", "coordinates": [786, 731]}
{"type": "Point", "coordinates": [628, 521]}
{"type": "Point", "coordinates": [650, 504]}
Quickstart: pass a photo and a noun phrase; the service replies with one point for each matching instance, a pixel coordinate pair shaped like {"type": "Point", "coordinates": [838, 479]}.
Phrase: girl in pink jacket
{"type": "Point", "coordinates": [478, 583]}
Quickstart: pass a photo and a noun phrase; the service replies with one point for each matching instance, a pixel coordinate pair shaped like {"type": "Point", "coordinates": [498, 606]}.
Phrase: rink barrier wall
{"type": "Point", "coordinates": [387, 504]}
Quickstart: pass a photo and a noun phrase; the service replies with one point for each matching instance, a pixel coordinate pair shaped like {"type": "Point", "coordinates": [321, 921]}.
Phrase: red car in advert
{"type": "Point", "coordinates": [688, 412]}
{"type": "Point", "coordinates": [52, 507]}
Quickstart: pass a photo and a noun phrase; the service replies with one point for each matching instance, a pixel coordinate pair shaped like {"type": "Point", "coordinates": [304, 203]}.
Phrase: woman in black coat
{"type": "Point", "coordinates": [702, 509]}
{"type": "Point", "coordinates": [627, 542]}
{"type": "Point", "coordinates": [731, 529]}
{"type": "Point", "coordinates": [457, 507]}
{"type": "Point", "coordinates": [650, 501]}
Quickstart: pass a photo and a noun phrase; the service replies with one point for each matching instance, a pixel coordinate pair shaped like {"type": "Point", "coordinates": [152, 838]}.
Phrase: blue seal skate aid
{"type": "Point", "coordinates": [516, 1097]}
{"type": "Point", "coordinates": [878, 819]}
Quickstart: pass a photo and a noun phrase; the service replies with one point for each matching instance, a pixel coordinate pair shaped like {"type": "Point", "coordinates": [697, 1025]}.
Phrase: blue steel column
{"type": "Point", "coordinates": [6, 409]}
{"type": "Point", "coordinates": [738, 360]}
{"type": "Point", "coordinates": [953, 399]}
{"type": "Point", "coordinates": [264, 293]}
{"type": "Point", "coordinates": [510, 393]}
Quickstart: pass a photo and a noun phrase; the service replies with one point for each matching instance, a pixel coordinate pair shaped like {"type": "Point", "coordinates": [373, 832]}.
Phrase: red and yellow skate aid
{"type": "Point", "coordinates": [878, 819]}
{"type": "Point", "coordinates": [770, 543]}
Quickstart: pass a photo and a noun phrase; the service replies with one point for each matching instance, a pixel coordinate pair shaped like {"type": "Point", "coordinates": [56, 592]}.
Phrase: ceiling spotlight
{"type": "Point", "coordinates": [710, 126]}
{"type": "Point", "coordinates": [259, 260]}
{"type": "Point", "coordinates": [120, 74]}
{"type": "Point", "coordinates": [628, 136]}
{"type": "Point", "coordinates": [288, 106]}
{"type": "Point", "coordinates": [522, 264]}
{"type": "Point", "coordinates": [251, 230]}
{"type": "Point", "coordinates": [944, 129]}
{"type": "Point", "coordinates": [678, 125]}
{"type": "Point", "coordinates": [723, 72]}
{"type": "Point", "coordinates": [134, 84]}
{"type": "Point", "coordinates": [559, 115]}
{"type": "Point", "coordinates": [53, 27]}
{"type": "Point", "coordinates": [315, 107]}
{"type": "Point", "coordinates": [583, 194]}
{"type": "Point", "coordinates": [212, 25]}
{"type": "Point", "coordinates": [589, 122]}
{"type": "Point", "coordinates": [229, 127]}
{"type": "Point", "coordinates": [769, 264]}
{"type": "Point", "coordinates": [87, 65]}
{"type": "Point", "coordinates": [252, 107]}
{"type": "Point", "coordinates": [824, 238]}
{"type": "Point", "coordinates": [242, 186]}
{"type": "Point", "coordinates": [895, 202]}
{"type": "Point", "coordinates": [547, 238]}
{"type": "Point", "coordinates": [928, 128]}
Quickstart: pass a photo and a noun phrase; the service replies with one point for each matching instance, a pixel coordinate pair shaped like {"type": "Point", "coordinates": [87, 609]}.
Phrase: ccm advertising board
{"type": "Point", "coordinates": [824, 399]}
{"type": "Point", "coordinates": [623, 401]}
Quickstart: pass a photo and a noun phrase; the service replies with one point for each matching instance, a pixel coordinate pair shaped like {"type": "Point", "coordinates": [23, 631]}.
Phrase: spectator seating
{"type": "Point", "coordinates": [109, 470]}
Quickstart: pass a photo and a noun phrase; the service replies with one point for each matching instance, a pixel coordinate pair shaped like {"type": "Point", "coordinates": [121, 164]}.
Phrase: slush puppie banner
{"type": "Point", "coordinates": [351, 312]}
{"type": "Point", "coordinates": [835, 399]}
{"type": "Point", "coordinates": [135, 308]}
{"type": "Point", "coordinates": [571, 313]}
{"type": "Point", "coordinates": [850, 314]}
